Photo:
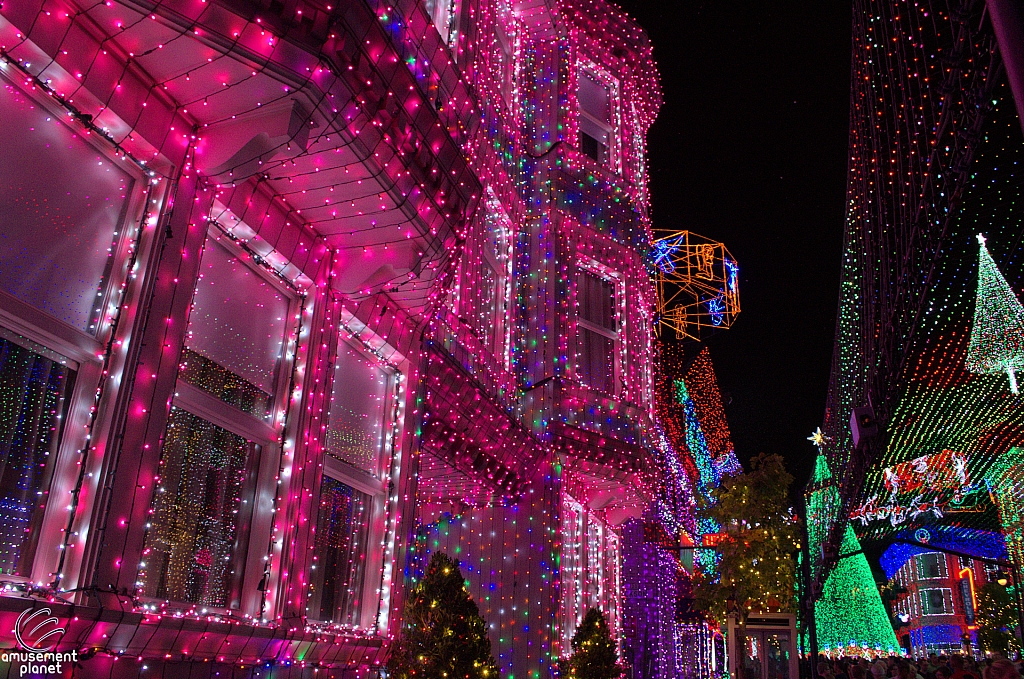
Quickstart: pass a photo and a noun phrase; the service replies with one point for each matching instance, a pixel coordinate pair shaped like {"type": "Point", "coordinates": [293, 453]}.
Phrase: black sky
{"type": "Point", "coordinates": [750, 149]}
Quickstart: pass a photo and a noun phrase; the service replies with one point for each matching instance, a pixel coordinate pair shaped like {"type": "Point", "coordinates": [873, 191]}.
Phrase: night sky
{"type": "Point", "coordinates": [750, 149]}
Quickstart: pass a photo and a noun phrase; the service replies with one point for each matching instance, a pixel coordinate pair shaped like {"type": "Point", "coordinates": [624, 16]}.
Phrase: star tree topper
{"type": "Point", "coordinates": [818, 438]}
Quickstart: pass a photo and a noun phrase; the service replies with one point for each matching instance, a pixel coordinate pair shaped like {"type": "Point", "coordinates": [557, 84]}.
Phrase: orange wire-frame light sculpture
{"type": "Point", "coordinates": [698, 284]}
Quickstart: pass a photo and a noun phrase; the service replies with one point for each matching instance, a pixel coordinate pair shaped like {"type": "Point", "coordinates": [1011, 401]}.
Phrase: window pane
{"type": "Point", "coordinates": [60, 205]}
{"type": "Point", "coordinates": [196, 546]}
{"type": "Point", "coordinates": [931, 566]}
{"type": "Point", "coordinates": [933, 602]}
{"type": "Point", "coordinates": [340, 546]}
{"type": "Point", "coordinates": [596, 366]}
{"type": "Point", "coordinates": [33, 396]}
{"type": "Point", "coordinates": [238, 324]}
{"type": "Point", "coordinates": [597, 300]}
{"type": "Point", "coordinates": [359, 401]}
{"type": "Point", "coordinates": [595, 564]}
{"type": "Point", "coordinates": [483, 315]}
{"type": "Point", "coordinates": [572, 568]}
{"type": "Point", "coordinates": [593, 140]}
{"type": "Point", "coordinates": [595, 100]}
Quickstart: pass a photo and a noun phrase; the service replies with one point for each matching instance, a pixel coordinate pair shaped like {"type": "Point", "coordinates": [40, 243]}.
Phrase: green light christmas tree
{"type": "Point", "coordinates": [997, 336]}
{"type": "Point", "coordinates": [850, 616]}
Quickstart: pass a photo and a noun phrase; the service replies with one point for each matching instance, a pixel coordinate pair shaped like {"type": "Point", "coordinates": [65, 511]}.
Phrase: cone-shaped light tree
{"type": "Point", "coordinates": [997, 336]}
{"type": "Point", "coordinates": [850, 616]}
{"type": "Point", "coordinates": [443, 635]}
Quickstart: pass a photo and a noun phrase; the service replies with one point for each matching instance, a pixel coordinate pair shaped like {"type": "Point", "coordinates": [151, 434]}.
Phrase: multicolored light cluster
{"type": "Point", "coordinates": [410, 192]}
{"type": "Point", "coordinates": [935, 152]}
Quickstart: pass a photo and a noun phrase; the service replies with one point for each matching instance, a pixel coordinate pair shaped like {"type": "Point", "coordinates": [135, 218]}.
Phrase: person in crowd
{"type": "Point", "coordinates": [956, 663]}
{"type": "Point", "coordinates": [906, 670]}
{"type": "Point", "coordinates": [1002, 669]}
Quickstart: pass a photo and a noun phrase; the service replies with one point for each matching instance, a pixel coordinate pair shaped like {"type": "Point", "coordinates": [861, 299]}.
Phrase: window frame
{"type": "Point", "coordinates": [612, 126]}
{"type": "Point", "coordinates": [592, 268]}
{"type": "Point", "coordinates": [82, 351]}
{"type": "Point", "coordinates": [590, 587]}
{"type": "Point", "coordinates": [947, 600]}
{"type": "Point", "coordinates": [466, 296]}
{"type": "Point", "coordinates": [501, 337]}
{"type": "Point", "coordinates": [505, 78]}
{"type": "Point", "coordinates": [940, 560]}
{"type": "Point", "coordinates": [268, 433]}
{"type": "Point", "coordinates": [375, 486]}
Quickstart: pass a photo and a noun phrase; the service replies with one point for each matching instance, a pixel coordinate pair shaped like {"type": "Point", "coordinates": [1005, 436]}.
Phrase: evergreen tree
{"type": "Point", "coordinates": [997, 336]}
{"type": "Point", "coordinates": [593, 650]}
{"type": "Point", "coordinates": [443, 635]}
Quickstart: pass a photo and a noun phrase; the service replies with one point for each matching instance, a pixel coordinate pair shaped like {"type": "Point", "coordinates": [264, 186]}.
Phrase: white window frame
{"type": "Point", "coordinates": [498, 340]}
{"type": "Point", "coordinates": [586, 563]}
{"type": "Point", "coordinates": [947, 600]}
{"type": "Point", "coordinates": [374, 485]}
{"type": "Point", "coordinates": [80, 350]}
{"type": "Point", "coordinates": [268, 433]}
{"type": "Point", "coordinates": [940, 559]}
{"type": "Point", "coordinates": [572, 611]}
{"type": "Point", "coordinates": [505, 79]}
{"type": "Point", "coordinates": [501, 341]}
{"type": "Point", "coordinates": [613, 125]}
{"type": "Point", "coordinates": [593, 268]}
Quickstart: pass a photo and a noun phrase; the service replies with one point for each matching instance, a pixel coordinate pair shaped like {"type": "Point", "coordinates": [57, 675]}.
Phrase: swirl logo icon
{"type": "Point", "coordinates": [38, 630]}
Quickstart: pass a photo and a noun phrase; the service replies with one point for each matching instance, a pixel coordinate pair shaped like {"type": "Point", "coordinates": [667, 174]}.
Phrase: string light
{"type": "Point", "coordinates": [421, 220]}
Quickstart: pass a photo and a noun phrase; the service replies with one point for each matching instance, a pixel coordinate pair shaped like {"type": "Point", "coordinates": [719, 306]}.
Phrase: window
{"type": "Point", "coordinates": [936, 601]}
{"type": "Point", "coordinates": [931, 565]}
{"type": "Point", "coordinates": [69, 215]}
{"type": "Point", "coordinates": [221, 442]}
{"type": "Point", "coordinates": [340, 547]}
{"type": "Point", "coordinates": [504, 71]}
{"type": "Point", "coordinates": [991, 572]}
{"type": "Point", "coordinates": [34, 392]}
{"type": "Point", "coordinates": [596, 120]}
{"type": "Point", "coordinates": [196, 546]}
{"type": "Point", "coordinates": [61, 205]}
{"type": "Point", "coordinates": [485, 302]}
{"type": "Point", "coordinates": [443, 14]}
{"type": "Point", "coordinates": [236, 333]}
{"type": "Point", "coordinates": [361, 393]}
{"type": "Point", "coordinates": [590, 567]}
{"type": "Point", "coordinates": [597, 330]}
{"type": "Point", "coordinates": [349, 533]}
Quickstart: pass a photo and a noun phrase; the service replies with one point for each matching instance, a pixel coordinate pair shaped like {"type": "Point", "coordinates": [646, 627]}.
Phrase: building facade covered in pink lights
{"type": "Point", "coordinates": [293, 294]}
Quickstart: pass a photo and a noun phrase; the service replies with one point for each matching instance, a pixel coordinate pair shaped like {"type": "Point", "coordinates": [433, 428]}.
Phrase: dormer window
{"type": "Point", "coordinates": [595, 96]}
